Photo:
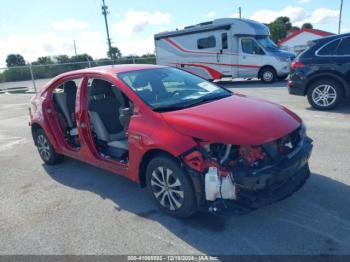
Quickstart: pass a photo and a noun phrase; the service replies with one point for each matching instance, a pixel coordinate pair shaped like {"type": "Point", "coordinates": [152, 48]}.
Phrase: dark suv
{"type": "Point", "coordinates": [322, 72]}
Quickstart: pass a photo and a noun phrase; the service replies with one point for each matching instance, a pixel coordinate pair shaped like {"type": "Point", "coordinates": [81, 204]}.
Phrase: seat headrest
{"type": "Point", "coordinates": [70, 88]}
{"type": "Point", "coordinates": [99, 87]}
{"type": "Point", "coordinates": [140, 81]}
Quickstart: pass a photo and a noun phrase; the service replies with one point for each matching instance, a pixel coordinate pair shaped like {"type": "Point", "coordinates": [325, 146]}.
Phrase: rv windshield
{"type": "Point", "coordinates": [267, 43]}
{"type": "Point", "coordinates": [170, 89]}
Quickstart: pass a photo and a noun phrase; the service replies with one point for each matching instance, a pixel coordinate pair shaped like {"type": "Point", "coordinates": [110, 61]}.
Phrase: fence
{"type": "Point", "coordinates": [30, 78]}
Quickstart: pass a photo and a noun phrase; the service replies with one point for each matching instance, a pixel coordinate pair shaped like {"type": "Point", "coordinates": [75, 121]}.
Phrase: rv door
{"type": "Point", "coordinates": [227, 56]}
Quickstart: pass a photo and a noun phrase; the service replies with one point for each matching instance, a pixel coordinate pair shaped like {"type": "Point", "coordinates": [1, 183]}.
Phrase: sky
{"type": "Point", "coordinates": [48, 27]}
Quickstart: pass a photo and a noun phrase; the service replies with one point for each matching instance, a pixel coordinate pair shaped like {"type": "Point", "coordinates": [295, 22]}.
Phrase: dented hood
{"type": "Point", "coordinates": [237, 119]}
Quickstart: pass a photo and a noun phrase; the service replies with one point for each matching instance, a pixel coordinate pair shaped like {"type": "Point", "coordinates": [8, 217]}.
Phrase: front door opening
{"type": "Point", "coordinates": [109, 116]}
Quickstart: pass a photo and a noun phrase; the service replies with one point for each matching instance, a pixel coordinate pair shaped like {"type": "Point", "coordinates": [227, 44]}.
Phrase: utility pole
{"type": "Point", "coordinates": [105, 13]}
{"type": "Point", "coordinates": [240, 12]}
{"type": "Point", "coordinates": [75, 48]}
{"type": "Point", "coordinates": [340, 16]}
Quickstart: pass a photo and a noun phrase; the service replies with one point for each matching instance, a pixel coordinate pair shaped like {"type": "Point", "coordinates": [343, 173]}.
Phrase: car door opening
{"type": "Point", "coordinates": [109, 116]}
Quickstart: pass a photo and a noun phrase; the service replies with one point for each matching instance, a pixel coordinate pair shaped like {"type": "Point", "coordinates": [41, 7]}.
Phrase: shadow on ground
{"type": "Point", "coordinates": [343, 108]}
{"type": "Point", "coordinates": [315, 220]}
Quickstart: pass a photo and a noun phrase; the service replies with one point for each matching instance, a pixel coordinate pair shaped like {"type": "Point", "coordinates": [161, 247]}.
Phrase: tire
{"type": "Point", "coordinates": [178, 197]}
{"type": "Point", "coordinates": [325, 95]}
{"type": "Point", "coordinates": [268, 75]}
{"type": "Point", "coordinates": [46, 150]}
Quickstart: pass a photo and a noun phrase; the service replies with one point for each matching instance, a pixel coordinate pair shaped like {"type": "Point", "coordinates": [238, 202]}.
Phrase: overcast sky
{"type": "Point", "coordinates": [48, 27]}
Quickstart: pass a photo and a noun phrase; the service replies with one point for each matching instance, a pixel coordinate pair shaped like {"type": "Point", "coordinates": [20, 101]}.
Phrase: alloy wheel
{"type": "Point", "coordinates": [268, 76]}
{"type": "Point", "coordinates": [43, 147]}
{"type": "Point", "coordinates": [167, 188]}
{"type": "Point", "coordinates": [324, 95]}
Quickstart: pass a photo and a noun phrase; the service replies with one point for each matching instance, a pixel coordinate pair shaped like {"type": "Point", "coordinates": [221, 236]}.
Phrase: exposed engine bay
{"type": "Point", "coordinates": [236, 172]}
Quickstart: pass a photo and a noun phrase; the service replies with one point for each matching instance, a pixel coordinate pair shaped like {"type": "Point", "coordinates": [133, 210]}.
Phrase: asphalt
{"type": "Point", "coordinates": [77, 209]}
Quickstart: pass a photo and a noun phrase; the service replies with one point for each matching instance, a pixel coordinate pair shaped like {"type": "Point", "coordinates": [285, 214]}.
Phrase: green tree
{"type": "Point", "coordinates": [279, 28]}
{"type": "Point", "coordinates": [307, 26]}
{"type": "Point", "coordinates": [44, 60]}
{"type": "Point", "coordinates": [15, 60]}
{"type": "Point", "coordinates": [81, 58]}
{"type": "Point", "coordinates": [296, 28]}
{"type": "Point", "coordinates": [114, 53]}
{"type": "Point", "coordinates": [62, 59]}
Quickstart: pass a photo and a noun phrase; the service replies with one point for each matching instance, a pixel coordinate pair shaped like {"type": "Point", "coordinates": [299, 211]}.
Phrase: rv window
{"type": "Point", "coordinates": [224, 40]}
{"type": "Point", "coordinates": [249, 46]}
{"type": "Point", "coordinates": [208, 42]}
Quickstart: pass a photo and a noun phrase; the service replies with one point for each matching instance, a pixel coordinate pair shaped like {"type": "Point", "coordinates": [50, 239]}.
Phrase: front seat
{"type": "Point", "coordinates": [104, 115]}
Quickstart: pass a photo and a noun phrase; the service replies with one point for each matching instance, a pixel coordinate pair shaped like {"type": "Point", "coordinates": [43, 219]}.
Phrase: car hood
{"type": "Point", "coordinates": [237, 120]}
{"type": "Point", "coordinates": [282, 53]}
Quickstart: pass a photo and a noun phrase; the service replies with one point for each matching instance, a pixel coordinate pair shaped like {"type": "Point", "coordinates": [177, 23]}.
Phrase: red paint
{"type": "Point", "coordinates": [238, 120]}
{"type": "Point", "coordinates": [295, 33]}
{"type": "Point", "coordinates": [212, 72]}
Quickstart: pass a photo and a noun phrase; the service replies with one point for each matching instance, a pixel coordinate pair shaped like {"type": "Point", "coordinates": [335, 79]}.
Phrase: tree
{"type": "Point", "coordinates": [81, 58]}
{"type": "Point", "coordinates": [114, 53]}
{"type": "Point", "coordinates": [279, 28]}
{"type": "Point", "coordinates": [62, 59]}
{"type": "Point", "coordinates": [15, 60]}
{"type": "Point", "coordinates": [295, 28]}
{"type": "Point", "coordinates": [307, 26]}
{"type": "Point", "coordinates": [44, 60]}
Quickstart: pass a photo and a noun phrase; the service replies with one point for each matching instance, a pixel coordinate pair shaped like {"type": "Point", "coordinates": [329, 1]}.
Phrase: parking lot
{"type": "Point", "coordinates": [74, 208]}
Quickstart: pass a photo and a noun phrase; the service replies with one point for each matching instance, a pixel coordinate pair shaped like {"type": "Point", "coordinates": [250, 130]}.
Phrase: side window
{"type": "Point", "coordinates": [207, 42]}
{"type": "Point", "coordinates": [330, 48]}
{"type": "Point", "coordinates": [224, 41]}
{"type": "Point", "coordinates": [344, 47]}
{"type": "Point", "coordinates": [249, 46]}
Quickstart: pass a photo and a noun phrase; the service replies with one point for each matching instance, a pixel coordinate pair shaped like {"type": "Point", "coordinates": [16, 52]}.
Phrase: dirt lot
{"type": "Point", "coordinates": [74, 208]}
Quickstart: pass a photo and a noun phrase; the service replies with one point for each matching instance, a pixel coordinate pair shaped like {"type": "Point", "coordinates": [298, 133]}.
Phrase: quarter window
{"type": "Point", "coordinates": [330, 48]}
{"type": "Point", "coordinates": [344, 47]}
{"type": "Point", "coordinates": [208, 42]}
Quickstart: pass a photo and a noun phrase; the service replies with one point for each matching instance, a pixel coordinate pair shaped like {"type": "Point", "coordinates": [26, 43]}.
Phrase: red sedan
{"type": "Point", "coordinates": [194, 144]}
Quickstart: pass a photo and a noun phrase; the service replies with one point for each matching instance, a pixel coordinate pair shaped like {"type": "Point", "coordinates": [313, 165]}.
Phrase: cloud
{"type": "Point", "coordinates": [297, 15]}
{"type": "Point", "coordinates": [137, 21]}
{"type": "Point", "coordinates": [235, 15]}
{"type": "Point", "coordinates": [304, 1]}
{"type": "Point", "coordinates": [70, 24]}
{"type": "Point", "coordinates": [345, 30]}
{"type": "Point", "coordinates": [210, 15]}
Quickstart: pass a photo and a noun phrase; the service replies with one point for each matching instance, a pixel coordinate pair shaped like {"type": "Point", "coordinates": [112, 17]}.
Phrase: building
{"type": "Point", "coordinates": [296, 40]}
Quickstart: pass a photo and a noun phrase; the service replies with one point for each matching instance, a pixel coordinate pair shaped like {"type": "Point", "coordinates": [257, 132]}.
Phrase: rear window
{"type": "Point", "coordinates": [330, 48]}
{"type": "Point", "coordinates": [344, 47]}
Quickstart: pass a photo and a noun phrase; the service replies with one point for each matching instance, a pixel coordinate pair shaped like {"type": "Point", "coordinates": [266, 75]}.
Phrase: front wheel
{"type": "Point", "coordinates": [325, 95]}
{"type": "Point", "coordinates": [170, 187]}
{"type": "Point", "coordinates": [46, 150]}
{"type": "Point", "coordinates": [268, 75]}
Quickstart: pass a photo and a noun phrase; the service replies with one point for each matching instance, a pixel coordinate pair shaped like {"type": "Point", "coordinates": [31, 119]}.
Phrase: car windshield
{"type": "Point", "coordinates": [267, 43]}
{"type": "Point", "coordinates": [169, 89]}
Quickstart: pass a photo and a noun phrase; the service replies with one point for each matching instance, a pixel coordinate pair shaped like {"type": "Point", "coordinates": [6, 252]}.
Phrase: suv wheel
{"type": "Point", "coordinates": [268, 75]}
{"type": "Point", "coordinates": [325, 95]}
{"type": "Point", "coordinates": [46, 150]}
{"type": "Point", "coordinates": [170, 187]}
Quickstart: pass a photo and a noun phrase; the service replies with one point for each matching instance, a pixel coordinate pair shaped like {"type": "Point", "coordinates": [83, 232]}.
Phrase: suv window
{"type": "Point", "coordinates": [208, 42]}
{"type": "Point", "coordinates": [344, 47]}
{"type": "Point", "coordinates": [249, 46]}
{"type": "Point", "coordinates": [330, 48]}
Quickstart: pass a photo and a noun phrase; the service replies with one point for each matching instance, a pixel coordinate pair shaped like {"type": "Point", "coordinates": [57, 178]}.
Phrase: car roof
{"type": "Point", "coordinates": [113, 69]}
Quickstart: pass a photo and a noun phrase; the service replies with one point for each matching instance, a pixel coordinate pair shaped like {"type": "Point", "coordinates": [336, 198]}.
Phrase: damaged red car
{"type": "Point", "coordinates": [195, 145]}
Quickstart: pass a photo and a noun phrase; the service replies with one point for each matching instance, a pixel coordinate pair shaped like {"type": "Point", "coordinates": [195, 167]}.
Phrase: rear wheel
{"type": "Point", "coordinates": [170, 187]}
{"type": "Point", "coordinates": [46, 150]}
{"type": "Point", "coordinates": [268, 75]}
{"type": "Point", "coordinates": [325, 95]}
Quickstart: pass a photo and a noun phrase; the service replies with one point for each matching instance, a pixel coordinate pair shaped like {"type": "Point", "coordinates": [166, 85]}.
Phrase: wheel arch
{"type": "Point", "coordinates": [146, 158]}
{"type": "Point", "coordinates": [327, 76]}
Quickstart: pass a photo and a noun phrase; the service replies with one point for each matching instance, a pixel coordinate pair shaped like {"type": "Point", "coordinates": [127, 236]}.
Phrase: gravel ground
{"type": "Point", "coordinates": [74, 208]}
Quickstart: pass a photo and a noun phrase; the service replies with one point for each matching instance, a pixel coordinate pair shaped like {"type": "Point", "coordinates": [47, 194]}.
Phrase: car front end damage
{"type": "Point", "coordinates": [249, 176]}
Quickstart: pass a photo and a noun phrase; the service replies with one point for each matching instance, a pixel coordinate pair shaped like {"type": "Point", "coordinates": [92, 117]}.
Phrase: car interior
{"type": "Point", "coordinates": [109, 115]}
{"type": "Point", "coordinates": [64, 98]}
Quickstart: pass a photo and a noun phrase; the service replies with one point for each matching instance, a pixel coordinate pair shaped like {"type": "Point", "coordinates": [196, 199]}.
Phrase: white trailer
{"type": "Point", "coordinates": [228, 47]}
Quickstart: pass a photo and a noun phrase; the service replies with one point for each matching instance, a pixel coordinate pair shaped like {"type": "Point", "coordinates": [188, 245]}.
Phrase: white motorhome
{"type": "Point", "coordinates": [228, 47]}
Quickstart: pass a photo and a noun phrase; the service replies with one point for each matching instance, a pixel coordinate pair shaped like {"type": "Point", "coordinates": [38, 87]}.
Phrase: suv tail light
{"type": "Point", "coordinates": [297, 64]}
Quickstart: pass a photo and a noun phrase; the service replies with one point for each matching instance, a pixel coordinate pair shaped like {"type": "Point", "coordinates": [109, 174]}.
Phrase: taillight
{"type": "Point", "coordinates": [297, 64]}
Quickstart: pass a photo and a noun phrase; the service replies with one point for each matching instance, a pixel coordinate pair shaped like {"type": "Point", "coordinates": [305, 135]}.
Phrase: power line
{"type": "Point", "coordinates": [105, 12]}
